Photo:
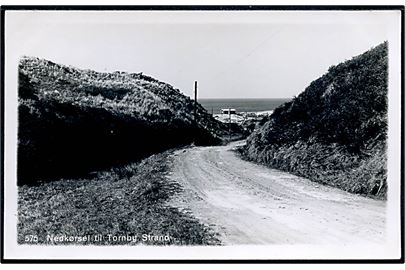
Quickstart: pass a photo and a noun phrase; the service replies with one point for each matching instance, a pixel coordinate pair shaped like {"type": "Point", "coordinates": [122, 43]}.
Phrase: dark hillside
{"type": "Point", "coordinates": [74, 121]}
{"type": "Point", "coordinates": [335, 131]}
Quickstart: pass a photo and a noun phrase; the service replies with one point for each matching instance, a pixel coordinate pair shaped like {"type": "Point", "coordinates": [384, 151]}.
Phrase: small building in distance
{"type": "Point", "coordinates": [228, 111]}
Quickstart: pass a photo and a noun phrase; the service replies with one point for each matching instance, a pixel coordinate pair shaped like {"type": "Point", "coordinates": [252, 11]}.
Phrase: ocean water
{"type": "Point", "coordinates": [242, 104]}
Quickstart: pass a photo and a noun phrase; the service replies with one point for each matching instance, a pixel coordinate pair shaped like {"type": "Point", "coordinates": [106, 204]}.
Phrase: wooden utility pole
{"type": "Point", "coordinates": [195, 100]}
{"type": "Point", "coordinates": [230, 120]}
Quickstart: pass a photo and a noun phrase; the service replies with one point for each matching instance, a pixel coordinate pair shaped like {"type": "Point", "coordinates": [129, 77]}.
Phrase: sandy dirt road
{"type": "Point", "coordinates": [251, 204]}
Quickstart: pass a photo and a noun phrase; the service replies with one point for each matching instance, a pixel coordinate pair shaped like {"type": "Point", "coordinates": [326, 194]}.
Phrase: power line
{"type": "Point", "coordinates": [247, 55]}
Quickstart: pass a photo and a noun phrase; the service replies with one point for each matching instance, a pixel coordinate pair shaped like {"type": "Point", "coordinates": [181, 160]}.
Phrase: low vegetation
{"type": "Point", "coordinates": [335, 131]}
{"type": "Point", "coordinates": [128, 202]}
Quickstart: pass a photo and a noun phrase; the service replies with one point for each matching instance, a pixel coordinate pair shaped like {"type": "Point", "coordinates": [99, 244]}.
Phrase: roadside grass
{"type": "Point", "coordinates": [127, 201]}
{"type": "Point", "coordinates": [328, 165]}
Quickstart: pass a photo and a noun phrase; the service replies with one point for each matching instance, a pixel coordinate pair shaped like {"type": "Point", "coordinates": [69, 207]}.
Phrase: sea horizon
{"type": "Point", "coordinates": [214, 105]}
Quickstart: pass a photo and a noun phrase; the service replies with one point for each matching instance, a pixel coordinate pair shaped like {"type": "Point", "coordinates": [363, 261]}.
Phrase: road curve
{"type": "Point", "coordinates": [252, 204]}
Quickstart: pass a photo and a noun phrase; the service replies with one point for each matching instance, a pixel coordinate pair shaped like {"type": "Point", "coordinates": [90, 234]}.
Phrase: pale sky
{"type": "Point", "coordinates": [231, 54]}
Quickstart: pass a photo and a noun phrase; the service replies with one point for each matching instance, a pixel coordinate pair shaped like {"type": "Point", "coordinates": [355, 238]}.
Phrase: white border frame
{"type": "Point", "coordinates": [275, 252]}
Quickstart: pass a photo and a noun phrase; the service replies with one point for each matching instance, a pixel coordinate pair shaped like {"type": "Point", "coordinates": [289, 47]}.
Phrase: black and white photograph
{"type": "Point", "coordinates": [202, 133]}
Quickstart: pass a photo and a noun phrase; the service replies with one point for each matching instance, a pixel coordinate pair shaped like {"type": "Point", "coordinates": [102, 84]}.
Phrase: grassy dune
{"type": "Point", "coordinates": [335, 131]}
{"type": "Point", "coordinates": [74, 121]}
